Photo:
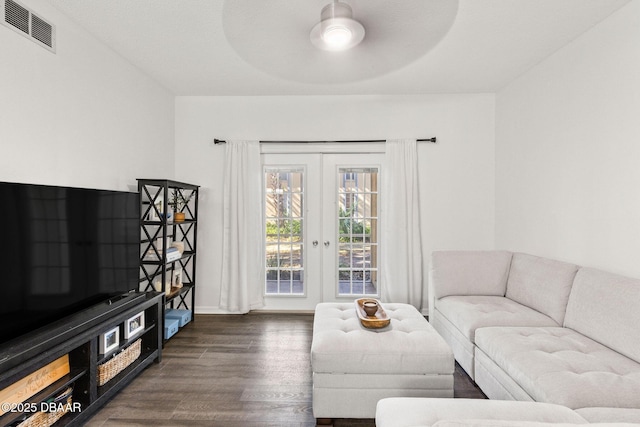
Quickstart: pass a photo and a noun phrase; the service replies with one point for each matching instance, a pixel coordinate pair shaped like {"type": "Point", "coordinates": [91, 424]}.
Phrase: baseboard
{"type": "Point", "coordinates": [218, 310]}
{"type": "Point", "coordinates": [267, 311]}
{"type": "Point", "coordinates": [210, 310]}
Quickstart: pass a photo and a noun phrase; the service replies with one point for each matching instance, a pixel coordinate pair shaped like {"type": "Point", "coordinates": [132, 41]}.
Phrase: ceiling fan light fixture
{"type": "Point", "coordinates": [337, 30]}
{"type": "Point", "coordinates": [337, 35]}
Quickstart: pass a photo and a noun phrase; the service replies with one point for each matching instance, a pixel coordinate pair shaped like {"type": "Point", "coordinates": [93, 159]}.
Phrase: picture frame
{"type": "Point", "coordinates": [134, 325]}
{"type": "Point", "coordinates": [110, 340]}
{"type": "Point", "coordinates": [157, 209]}
{"type": "Point", "coordinates": [176, 278]}
{"type": "Point", "coordinates": [161, 244]}
{"type": "Point", "coordinates": [155, 206]}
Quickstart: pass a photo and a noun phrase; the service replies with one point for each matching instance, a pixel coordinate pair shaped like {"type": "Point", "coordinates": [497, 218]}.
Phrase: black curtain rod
{"type": "Point", "coordinates": [222, 141]}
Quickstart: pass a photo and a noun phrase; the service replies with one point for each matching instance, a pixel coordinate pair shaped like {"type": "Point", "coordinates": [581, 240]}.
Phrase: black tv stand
{"type": "Point", "coordinates": [78, 336]}
{"type": "Point", "coordinates": [131, 296]}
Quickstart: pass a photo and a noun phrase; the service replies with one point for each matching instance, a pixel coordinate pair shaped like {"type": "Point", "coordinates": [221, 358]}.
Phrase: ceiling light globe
{"type": "Point", "coordinates": [337, 36]}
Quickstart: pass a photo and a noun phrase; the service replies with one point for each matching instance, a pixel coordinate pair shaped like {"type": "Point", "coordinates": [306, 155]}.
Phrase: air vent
{"type": "Point", "coordinates": [27, 23]}
{"type": "Point", "coordinates": [16, 15]}
{"type": "Point", "coordinates": [41, 30]}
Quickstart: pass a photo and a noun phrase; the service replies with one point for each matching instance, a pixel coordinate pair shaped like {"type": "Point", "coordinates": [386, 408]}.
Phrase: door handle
{"type": "Point", "coordinates": [326, 243]}
{"type": "Point", "coordinates": [315, 243]}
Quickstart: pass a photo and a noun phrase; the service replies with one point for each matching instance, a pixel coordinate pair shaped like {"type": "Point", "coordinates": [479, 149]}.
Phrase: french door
{"type": "Point", "coordinates": [321, 226]}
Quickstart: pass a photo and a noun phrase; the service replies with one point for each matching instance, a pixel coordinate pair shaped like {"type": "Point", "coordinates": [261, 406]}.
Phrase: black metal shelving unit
{"type": "Point", "coordinates": [159, 230]}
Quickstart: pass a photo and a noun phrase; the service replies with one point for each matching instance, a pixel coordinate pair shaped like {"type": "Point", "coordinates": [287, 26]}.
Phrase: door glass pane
{"type": "Point", "coordinates": [284, 219]}
{"type": "Point", "coordinates": [357, 231]}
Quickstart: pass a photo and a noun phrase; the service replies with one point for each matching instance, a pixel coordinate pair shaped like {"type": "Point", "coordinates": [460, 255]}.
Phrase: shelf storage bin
{"type": "Point", "coordinates": [171, 326]}
{"type": "Point", "coordinates": [46, 419]}
{"type": "Point", "coordinates": [183, 316]}
{"type": "Point", "coordinates": [119, 362]}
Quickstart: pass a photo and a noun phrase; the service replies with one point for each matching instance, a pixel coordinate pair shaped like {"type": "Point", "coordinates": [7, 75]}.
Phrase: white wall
{"type": "Point", "coordinates": [81, 117]}
{"type": "Point", "coordinates": [568, 151]}
{"type": "Point", "coordinates": [457, 174]}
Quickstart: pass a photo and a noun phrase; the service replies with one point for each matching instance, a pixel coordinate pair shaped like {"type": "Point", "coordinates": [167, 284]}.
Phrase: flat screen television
{"type": "Point", "coordinates": [62, 250]}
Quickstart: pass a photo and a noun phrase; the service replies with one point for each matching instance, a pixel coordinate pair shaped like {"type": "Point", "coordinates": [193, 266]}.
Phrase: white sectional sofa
{"type": "Point", "coordinates": [429, 412]}
{"type": "Point", "coordinates": [535, 329]}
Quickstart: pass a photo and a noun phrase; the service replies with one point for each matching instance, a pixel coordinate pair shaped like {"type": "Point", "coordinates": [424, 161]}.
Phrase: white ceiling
{"type": "Point", "coordinates": [216, 47]}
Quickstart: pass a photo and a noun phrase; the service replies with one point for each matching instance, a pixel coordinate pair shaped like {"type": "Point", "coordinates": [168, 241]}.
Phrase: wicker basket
{"type": "Point", "coordinates": [119, 362]}
{"type": "Point", "coordinates": [46, 419]}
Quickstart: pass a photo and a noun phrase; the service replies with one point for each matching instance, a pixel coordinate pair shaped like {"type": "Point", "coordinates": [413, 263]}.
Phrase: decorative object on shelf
{"type": "Point", "coordinates": [378, 320]}
{"type": "Point", "coordinates": [154, 252]}
{"type": "Point", "coordinates": [157, 286]}
{"type": "Point", "coordinates": [119, 362]}
{"type": "Point", "coordinates": [370, 307]}
{"type": "Point", "coordinates": [178, 202]}
{"type": "Point", "coordinates": [23, 389]}
{"type": "Point", "coordinates": [134, 325]}
{"type": "Point", "coordinates": [179, 246]}
{"type": "Point", "coordinates": [110, 340]}
{"type": "Point", "coordinates": [162, 244]}
{"type": "Point", "coordinates": [157, 210]}
{"type": "Point", "coordinates": [176, 282]}
{"type": "Point", "coordinates": [172, 292]}
{"type": "Point", "coordinates": [150, 255]}
{"type": "Point", "coordinates": [173, 254]}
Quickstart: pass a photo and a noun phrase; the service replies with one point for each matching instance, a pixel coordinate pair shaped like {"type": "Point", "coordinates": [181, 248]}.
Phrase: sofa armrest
{"type": "Point", "coordinates": [467, 273]}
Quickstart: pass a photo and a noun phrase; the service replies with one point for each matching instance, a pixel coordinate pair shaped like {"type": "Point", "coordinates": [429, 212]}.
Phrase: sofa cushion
{"type": "Point", "coordinates": [540, 283]}
{"type": "Point", "coordinates": [510, 423]}
{"type": "Point", "coordinates": [469, 272]}
{"type": "Point", "coordinates": [606, 308]}
{"type": "Point", "coordinates": [405, 411]}
{"type": "Point", "coordinates": [610, 415]}
{"type": "Point", "coordinates": [463, 349]}
{"type": "Point", "coordinates": [468, 313]}
{"type": "Point", "coordinates": [559, 365]}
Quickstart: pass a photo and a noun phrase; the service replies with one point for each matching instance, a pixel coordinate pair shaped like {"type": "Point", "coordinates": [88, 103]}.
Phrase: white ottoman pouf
{"type": "Point", "coordinates": [354, 367]}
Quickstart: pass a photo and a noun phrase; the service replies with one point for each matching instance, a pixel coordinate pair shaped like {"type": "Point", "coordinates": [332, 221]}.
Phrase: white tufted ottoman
{"type": "Point", "coordinates": [354, 367]}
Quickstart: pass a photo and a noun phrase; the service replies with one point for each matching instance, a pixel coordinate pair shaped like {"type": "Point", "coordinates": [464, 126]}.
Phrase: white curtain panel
{"type": "Point", "coordinates": [401, 247]}
{"type": "Point", "coordinates": [241, 289]}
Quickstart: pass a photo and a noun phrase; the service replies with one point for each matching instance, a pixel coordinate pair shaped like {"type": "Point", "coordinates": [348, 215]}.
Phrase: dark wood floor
{"type": "Point", "coordinates": [250, 371]}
